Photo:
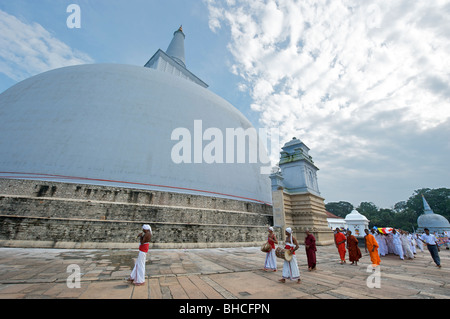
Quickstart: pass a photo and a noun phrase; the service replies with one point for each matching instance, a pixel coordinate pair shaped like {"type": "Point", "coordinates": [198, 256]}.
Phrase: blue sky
{"type": "Point", "coordinates": [364, 84]}
{"type": "Point", "coordinates": [129, 32]}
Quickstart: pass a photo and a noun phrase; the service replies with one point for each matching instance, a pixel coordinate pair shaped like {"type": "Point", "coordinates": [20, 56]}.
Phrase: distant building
{"type": "Point", "coordinates": [335, 221]}
{"type": "Point", "coordinates": [357, 222]}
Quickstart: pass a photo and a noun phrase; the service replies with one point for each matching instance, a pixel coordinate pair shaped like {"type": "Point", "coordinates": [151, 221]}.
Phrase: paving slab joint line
{"type": "Point", "coordinates": [217, 287]}
{"type": "Point", "coordinates": [57, 281]}
{"type": "Point", "coordinates": [33, 281]}
{"type": "Point", "coordinates": [203, 273]}
{"type": "Point", "coordinates": [24, 282]}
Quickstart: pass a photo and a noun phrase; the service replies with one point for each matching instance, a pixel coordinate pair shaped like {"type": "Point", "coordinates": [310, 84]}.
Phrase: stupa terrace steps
{"type": "Point", "coordinates": [45, 207]}
{"type": "Point", "coordinates": [52, 214]}
{"type": "Point", "coordinates": [98, 193]}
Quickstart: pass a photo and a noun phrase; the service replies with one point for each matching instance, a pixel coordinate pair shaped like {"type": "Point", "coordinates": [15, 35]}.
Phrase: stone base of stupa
{"type": "Point", "coordinates": [48, 214]}
{"type": "Point", "coordinates": [301, 212]}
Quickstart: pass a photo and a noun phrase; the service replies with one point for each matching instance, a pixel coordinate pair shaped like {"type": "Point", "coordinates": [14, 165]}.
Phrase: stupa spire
{"type": "Point", "coordinates": [427, 209]}
{"type": "Point", "coordinates": [172, 61]}
{"type": "Point", "coordinates": [176, 47]}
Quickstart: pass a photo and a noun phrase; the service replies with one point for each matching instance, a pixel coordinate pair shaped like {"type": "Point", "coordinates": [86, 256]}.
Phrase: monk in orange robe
{"type": "Point", "coordinates": [372, 247]}
{"type": "Point", "coordinates": [339, 240]}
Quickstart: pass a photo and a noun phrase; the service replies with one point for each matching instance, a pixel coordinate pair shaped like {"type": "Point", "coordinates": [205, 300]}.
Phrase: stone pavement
{"type": "Point", "coordinates": [224, 273]}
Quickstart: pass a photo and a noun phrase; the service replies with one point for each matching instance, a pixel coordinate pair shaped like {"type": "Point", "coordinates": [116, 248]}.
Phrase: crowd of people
{"type": "Point", "coordinates": [377, 244]}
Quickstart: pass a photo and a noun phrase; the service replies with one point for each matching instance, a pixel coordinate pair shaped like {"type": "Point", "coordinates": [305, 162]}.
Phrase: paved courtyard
{"type": "Point", "coordinates": [228, 273]}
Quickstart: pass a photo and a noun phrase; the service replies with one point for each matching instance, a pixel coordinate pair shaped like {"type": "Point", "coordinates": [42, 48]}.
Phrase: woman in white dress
{"type": "Point", "coordinates": [406, 245]}
{"type": "Point", "coordinates": [412, 242]}
{"type": "Point", "coordinates": [290, 268]}
{"type": "Point", "coordinates": [398, 249]}
{"type": "Point", "coordinates": [419, 243]}
{"type": "Point", "coordinates": [381, 240]}
{"type": "Point", "coordinates": [390, 244]}
{"type": "Point", "coordinates": [271, 258]}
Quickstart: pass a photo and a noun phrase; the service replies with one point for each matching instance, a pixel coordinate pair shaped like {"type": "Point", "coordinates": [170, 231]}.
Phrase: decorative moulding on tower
{"type": "Point", "coordinates": [298, 169]}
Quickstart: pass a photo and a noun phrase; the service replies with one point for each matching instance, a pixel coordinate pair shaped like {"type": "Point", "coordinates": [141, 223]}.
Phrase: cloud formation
{"type": "Point", "coordinates": [357, 81]}
{"type": "Point", "coordinates": [27, 49]}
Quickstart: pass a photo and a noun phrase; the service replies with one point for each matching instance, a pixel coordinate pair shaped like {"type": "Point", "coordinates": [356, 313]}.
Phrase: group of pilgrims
{"type": "Point", "coordinates": [377, 244]}
{"type": "Point", "coordinates": [403, 243]}
{"type": "Point", "coordinates": [400, 243]}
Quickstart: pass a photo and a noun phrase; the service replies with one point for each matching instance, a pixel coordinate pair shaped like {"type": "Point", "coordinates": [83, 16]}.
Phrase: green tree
{"type": "Point", "coordinates": [340, 209]}
{"type": "Point", "coordinates": [405, 220]}
{"type": "Point", "coordinates": [386, 216]}
{"type": "Point", "coordinates": [399, 207]}
{"type": "Point", "coordinates": [370, 210]}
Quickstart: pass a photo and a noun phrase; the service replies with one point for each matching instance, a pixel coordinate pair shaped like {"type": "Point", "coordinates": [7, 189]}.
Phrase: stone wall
{"type": "Point", "coordinates": [302, 211]}
{"type": "Point", "coordinates": [51, 214]}
{"type": "Point", "coordinates": [30, 188]}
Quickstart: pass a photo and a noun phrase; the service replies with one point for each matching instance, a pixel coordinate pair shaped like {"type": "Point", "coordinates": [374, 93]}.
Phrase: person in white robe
{"type": "Point", "coordinates": [419, 242]}
{"type": "Point", "coordinates": [447, 244]}
{"type": "Point", "coordinates": [390, 243]}
{"type": "Point", "coordinates": [412, 242]}
{"type": "Point", "coordinates": [398, 250]}
{"type": "Point", "coordinates": [137, 276]}
{"type": "Point", "coordinates": [406, 245]}
{"type": "Point", "coordinates": [271, 259]}
{"type": "Point", "coordinates": [290, 268]}
{"type": "Point", "coordinates": [382, 245]}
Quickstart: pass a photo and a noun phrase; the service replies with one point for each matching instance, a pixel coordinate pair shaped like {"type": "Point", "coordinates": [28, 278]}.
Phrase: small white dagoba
{"type": "Point", "coordinates": [357, 222]}
{"type": "Point", "coordinates": [429, 219]}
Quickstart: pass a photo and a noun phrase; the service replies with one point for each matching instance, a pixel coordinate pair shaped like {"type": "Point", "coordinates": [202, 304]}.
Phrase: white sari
{"type": "Point", "coordinates": [290, 268]}
{"type": "Point", "coordinates": [138, 273]}
{"type": "Point", "coordinates": [271, 260]}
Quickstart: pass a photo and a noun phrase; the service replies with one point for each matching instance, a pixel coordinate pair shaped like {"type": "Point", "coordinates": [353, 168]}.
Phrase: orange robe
{"type": "Point", "coordinates": [371, 243]}
{"type": "Point", "coordinates": [341, 247]}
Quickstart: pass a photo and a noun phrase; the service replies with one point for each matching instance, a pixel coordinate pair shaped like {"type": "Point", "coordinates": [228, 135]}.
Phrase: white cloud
{"type": "Point", "coordinates": [341, 75]}
{"type": "Point", "coordinates": [27, 49]}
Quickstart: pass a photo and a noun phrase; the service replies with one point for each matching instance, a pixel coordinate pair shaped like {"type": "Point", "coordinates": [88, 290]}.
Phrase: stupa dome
{"type": "Point", "coordinates": [110, 124]}
{"type": "Point", "coordinates": [89, 153]}
{"type": "Point", "coordinates": [355, 216]}
{"type": "Point", "coordinates": [432, 221]}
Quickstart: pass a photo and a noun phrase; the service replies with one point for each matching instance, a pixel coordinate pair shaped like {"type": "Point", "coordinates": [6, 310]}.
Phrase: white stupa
{"type": "Point", "coordinates": [434, 222]}
{"type": "Point", "coordinates": [111, 124]}
{"type": "Point", "coordinates": [357, 222]}
{"type": "Point", "coordinates": [89, 153]}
